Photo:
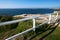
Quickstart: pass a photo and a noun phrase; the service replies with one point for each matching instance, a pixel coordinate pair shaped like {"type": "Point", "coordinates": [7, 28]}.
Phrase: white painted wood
{"type": "Point", "coordinates": [34, 23]}
{"type": "Point", "coordinates": [33, 28]}
{"type": "Point", "coordinates": [57, 16]}
{"type": "Point", "coordinates": [13, 37]}
{"type": "Point", "coordinates": [14, 21]}
{"type": "Point", "coordinates": [50, 17]}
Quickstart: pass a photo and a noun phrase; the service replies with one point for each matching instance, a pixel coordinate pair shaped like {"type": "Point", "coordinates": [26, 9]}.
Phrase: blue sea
{"type": "Point", "coordinates": [12, 12]}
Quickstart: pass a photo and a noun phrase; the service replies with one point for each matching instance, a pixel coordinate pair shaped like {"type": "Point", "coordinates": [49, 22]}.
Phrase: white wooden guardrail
{"type": "Point", "coordinates": [33, 28]}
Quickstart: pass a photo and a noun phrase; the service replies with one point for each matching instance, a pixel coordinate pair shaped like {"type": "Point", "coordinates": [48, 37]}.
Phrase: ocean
{"type": "Point", "coordinates": [12, 12]}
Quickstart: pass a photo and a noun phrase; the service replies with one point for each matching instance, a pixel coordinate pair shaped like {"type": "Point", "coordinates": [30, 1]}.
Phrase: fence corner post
{"type": "Point", "coordinates": [34, 23]}
{"type": "Point", "coordinates": [50, 17]}
{"type": "Point", "coordinates": [57, 15]}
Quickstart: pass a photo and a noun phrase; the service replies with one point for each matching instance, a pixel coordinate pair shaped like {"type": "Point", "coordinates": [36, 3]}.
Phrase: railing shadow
{"type": "Point", "coordinates": [52, 29]}
{"type": "Point", "coordinates": [43, 29]}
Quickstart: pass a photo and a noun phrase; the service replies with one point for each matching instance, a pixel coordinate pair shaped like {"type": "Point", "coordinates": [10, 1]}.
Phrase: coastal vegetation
{"type": "Point", "coordinates": [12, 29]}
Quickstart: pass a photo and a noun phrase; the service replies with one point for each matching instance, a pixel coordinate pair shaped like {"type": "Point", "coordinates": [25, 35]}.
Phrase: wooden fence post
{"type": "Point", "coordinates": [50, 17]}
{"type": "Point", "coordinates": [34, 23]}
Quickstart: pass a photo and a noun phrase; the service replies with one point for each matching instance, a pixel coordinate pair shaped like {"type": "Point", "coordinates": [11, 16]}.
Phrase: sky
{"type": "Point", "coordinates": [29, 3]}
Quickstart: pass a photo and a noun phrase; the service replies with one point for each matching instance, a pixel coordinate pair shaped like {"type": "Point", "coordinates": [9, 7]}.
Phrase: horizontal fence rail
{"type": "Point", "coordinates": [14, 21]}
{"type": "Point", "coordinates": [25, 31]}
{"type": "Point", "coordinates": [33, 28]}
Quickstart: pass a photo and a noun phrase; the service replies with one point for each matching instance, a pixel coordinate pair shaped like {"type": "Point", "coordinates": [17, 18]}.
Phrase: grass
{"type": "Point", "coordinates": [40, 34]}
{"type": "Point", "coordinates": [44, 32]}
{"type": "Point", "coordinates": [55, 35]}
{"type": "Point", "coordinates": [49, 35]}
{"type": "Point", "coordinates": [52, 33]}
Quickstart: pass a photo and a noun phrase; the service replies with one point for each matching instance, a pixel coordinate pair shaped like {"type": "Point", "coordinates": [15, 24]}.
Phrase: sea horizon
{"type": "Point", "coordinates": [12, 12]}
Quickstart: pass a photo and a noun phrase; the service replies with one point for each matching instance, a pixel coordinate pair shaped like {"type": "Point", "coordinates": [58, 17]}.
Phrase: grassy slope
{"type": "Point", "coordinates": [55, 35]}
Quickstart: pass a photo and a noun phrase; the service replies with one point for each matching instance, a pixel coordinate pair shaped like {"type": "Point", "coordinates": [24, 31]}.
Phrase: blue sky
{"type": "Point", "coordinates": [29, 3]}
